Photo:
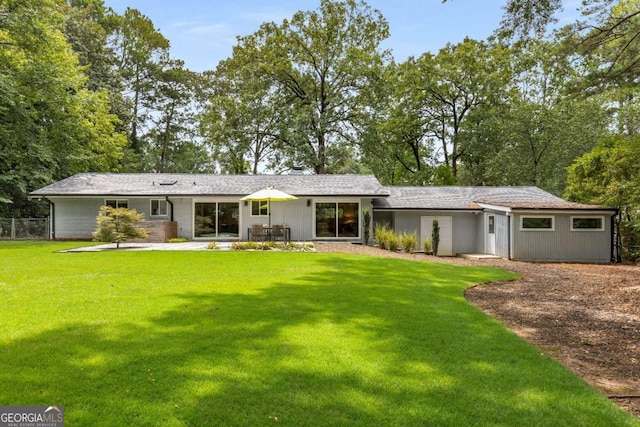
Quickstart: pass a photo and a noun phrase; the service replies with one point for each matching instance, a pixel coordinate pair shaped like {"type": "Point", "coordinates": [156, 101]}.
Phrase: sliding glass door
{"type": "Point", "coordinates": [216, 219]}
{"type": "Point", "coordinates": [335, 220]}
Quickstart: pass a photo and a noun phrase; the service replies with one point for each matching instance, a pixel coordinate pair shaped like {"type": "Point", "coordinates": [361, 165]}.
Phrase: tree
{"type": "Point", "coordinates": [51, 124]}
{"type": "Point", "coordinates": [608, 175]}
{"type": "Point", "coordinates": [139, 49]}
{"type": "Point", "coordinates": [323, 64]}
{"type": "Point", "coordinates": [117, 225]}
{"type": "Point", "coordinates": [538, 129]}
{"type": "Point", "coordinates": [241, 119]}
{"type": "Point", "coordinates": [432, 97]}
{"type": "Point", "coordinates": [170, 143]}
{"type": "Point", "coordinates": [608, 33]}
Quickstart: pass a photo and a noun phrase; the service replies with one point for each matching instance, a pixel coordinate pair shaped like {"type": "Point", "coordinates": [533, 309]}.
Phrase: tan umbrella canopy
{"type": "Point", "coordinates": [270, 194]}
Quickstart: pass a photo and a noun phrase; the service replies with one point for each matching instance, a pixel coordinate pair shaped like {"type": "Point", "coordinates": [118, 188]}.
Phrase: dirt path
{"type": "Point", "coordinates": [585, 316]}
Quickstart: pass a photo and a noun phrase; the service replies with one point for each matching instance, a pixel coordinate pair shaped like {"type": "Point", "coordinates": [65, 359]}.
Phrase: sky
{"type": "Point", "coordinates": [203, 32]}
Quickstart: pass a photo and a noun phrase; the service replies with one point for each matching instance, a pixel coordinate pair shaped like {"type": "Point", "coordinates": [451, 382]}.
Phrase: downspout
{"type": "Point", "coordinates": [170, 204]}
{"type": "Point", "coordinates": [509, 237]}
{"type": "Point", "coordinates": [52, 215]}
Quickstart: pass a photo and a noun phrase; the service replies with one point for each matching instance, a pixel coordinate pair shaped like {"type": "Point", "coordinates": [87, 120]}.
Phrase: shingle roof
{"type": "Point", "coordinates": [122, 184]}
{"type": "Point", "coordinates": [470, 198]}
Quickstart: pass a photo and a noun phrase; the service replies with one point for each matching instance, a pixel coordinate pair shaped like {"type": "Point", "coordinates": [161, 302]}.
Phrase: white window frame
{"type": "Point", "coordinates": [260, 215]}
{"type": "Point", "coordinates": [553, 223]}
{"type": "Point", "coordinates": [600, 217]}
{"type": "Point", "coordinates": [117, 202]}
{"type": "Point", "coordinates": [161, 212]}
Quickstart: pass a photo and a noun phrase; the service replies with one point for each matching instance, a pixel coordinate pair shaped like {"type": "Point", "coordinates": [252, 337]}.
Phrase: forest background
{"type": "Point", "coordinates": [83, 88]}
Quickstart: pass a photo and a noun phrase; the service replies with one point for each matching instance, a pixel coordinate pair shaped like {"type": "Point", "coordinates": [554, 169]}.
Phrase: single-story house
{"type": "Point", "coordinates": [520, 223]}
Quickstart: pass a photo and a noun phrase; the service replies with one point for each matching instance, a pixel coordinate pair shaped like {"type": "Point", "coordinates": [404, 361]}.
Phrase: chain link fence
{"type": "Point", "coordinates": [24, 229]}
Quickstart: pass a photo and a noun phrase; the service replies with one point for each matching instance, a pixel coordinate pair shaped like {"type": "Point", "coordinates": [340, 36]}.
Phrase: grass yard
{"type": "Point", "coordinates": [254, 338]}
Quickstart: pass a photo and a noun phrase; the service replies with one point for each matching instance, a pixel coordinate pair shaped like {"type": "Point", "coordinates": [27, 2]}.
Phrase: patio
{"type": "Point", "coordinates": [184, 246]}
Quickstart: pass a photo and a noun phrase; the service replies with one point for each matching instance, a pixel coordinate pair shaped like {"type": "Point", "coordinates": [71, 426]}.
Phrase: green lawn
{"type": "Point", "coordinates": [254, 338]}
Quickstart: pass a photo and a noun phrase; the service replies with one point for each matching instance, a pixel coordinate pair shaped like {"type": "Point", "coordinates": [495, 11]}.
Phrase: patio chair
{"type": "Point", "coordinates": [258, 233]}
{"type": "Point", "coordinates": [278, 232]}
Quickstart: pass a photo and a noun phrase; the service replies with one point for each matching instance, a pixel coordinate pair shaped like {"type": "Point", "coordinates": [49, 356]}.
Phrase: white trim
{"type": "Point", "coordinates": [259, 215]}
{"type": "Point", "coordinates": [494, 207]}
{"type": "Point", "coordinates": [117, 201]}
{"type": "Point", "coordinates": [553, 223]}
{"type": "Point", "coordinates": [600, 217]}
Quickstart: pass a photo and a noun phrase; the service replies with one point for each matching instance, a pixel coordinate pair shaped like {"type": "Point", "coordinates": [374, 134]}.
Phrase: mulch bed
{"type": "Point", "coordinates": [585, 316]}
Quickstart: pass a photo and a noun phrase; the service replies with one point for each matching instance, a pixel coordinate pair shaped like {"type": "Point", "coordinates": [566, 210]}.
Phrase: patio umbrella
{"type": "Point", "coordinates": [270, 194]}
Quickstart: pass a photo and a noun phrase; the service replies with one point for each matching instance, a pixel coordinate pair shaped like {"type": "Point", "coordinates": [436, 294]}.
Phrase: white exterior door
{"type": "Point", "coordinates": [491, 235]}
{"type": "Point", "coordinates": [445, 248]}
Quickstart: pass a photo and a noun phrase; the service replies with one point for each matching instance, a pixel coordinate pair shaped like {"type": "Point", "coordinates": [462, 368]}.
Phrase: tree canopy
{"type": "Point", "coordinates": [83, 88]}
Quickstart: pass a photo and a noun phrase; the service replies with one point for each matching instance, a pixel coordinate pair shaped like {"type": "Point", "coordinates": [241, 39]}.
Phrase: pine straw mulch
{"type": "Point", "coordinates": [585, 316]}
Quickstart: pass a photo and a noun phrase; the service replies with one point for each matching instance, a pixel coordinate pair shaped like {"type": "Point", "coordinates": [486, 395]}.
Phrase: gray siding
{"type": "Point", "coordinates": [183, 215]}
{"type": "Point", "coordinates": [76, 218]}
{"type": "Point", "coordinates": [295, 214]}
{"type": "Point", "coordinates": [464, 226]}
{"type": "Point", "coordinates": [562, 244]}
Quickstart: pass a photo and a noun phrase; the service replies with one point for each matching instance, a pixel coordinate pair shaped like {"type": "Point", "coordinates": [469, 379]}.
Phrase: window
{"type": "Point", "coordinates": [537, 223]}
{"type": "Point", "coordinates": [259, 208]}
{"type": "Point", "coordinates": [337, 220]}
{"type": "Point", "coordinates": [587, 223]}
{"type": "Point", "coordinates": [158, 207]}
{"type": "Point", "coordinates": [492, 224]}
{"type": "Point", "coordinates": [117, 203]}
{"type": "Point", "coordinates": [213, 220]}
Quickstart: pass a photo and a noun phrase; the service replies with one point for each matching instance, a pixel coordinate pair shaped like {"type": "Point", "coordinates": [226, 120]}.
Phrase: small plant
{"type": "Point", "coordinates": [117, 225]}
{"type": "Point", "coordinates": [177, 240]}
{"type": "Point", "coordinates": [381, 235]}
{"type": "Point", "coordinates": [366, 216]}
{"type": "Point", "coordinates": [213, 245]}
{"type": "Point", "coordinates": [426, 246]}
{"type": "Point", "coordinates": [435, 236]}
{"type": "Point", "coordinates": [245, 246]}
{"type": "Point", "coordinates": [394, 242]}
{"type": "Point", "coordinates": [409, 242]}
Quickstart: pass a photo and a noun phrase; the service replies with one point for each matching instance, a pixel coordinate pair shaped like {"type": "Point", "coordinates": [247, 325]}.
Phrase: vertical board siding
{"type": "Point", "coordinates": [464, 226]}
{"type": "Point", "coordinates": [562, 244]}
{"type": "Point", "coordinates": [76, 218]}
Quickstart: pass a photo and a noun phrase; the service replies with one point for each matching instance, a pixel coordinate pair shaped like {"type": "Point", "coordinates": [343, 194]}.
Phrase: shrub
{"type": "Point", "coordinates": [213, 245]}
{"type": "Point", "coordinates": [177, 240]}
{"type": "Point", "coordinates": [409, 242]}
{"type": "Point", "coordinates": [381, 235]}
{"type": "Point", "coordinates": [117, 225]}
{"type": "Point", "coordinates": [394, 242]}
{"type": "Point", "coordinates": [426, 246]}
{"type": "Point", "coordinates": [435, 236]}
{"type": "Point", "coordinates": [366, 216]}
{"type": "Point", "coordinates": [244, 246]}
